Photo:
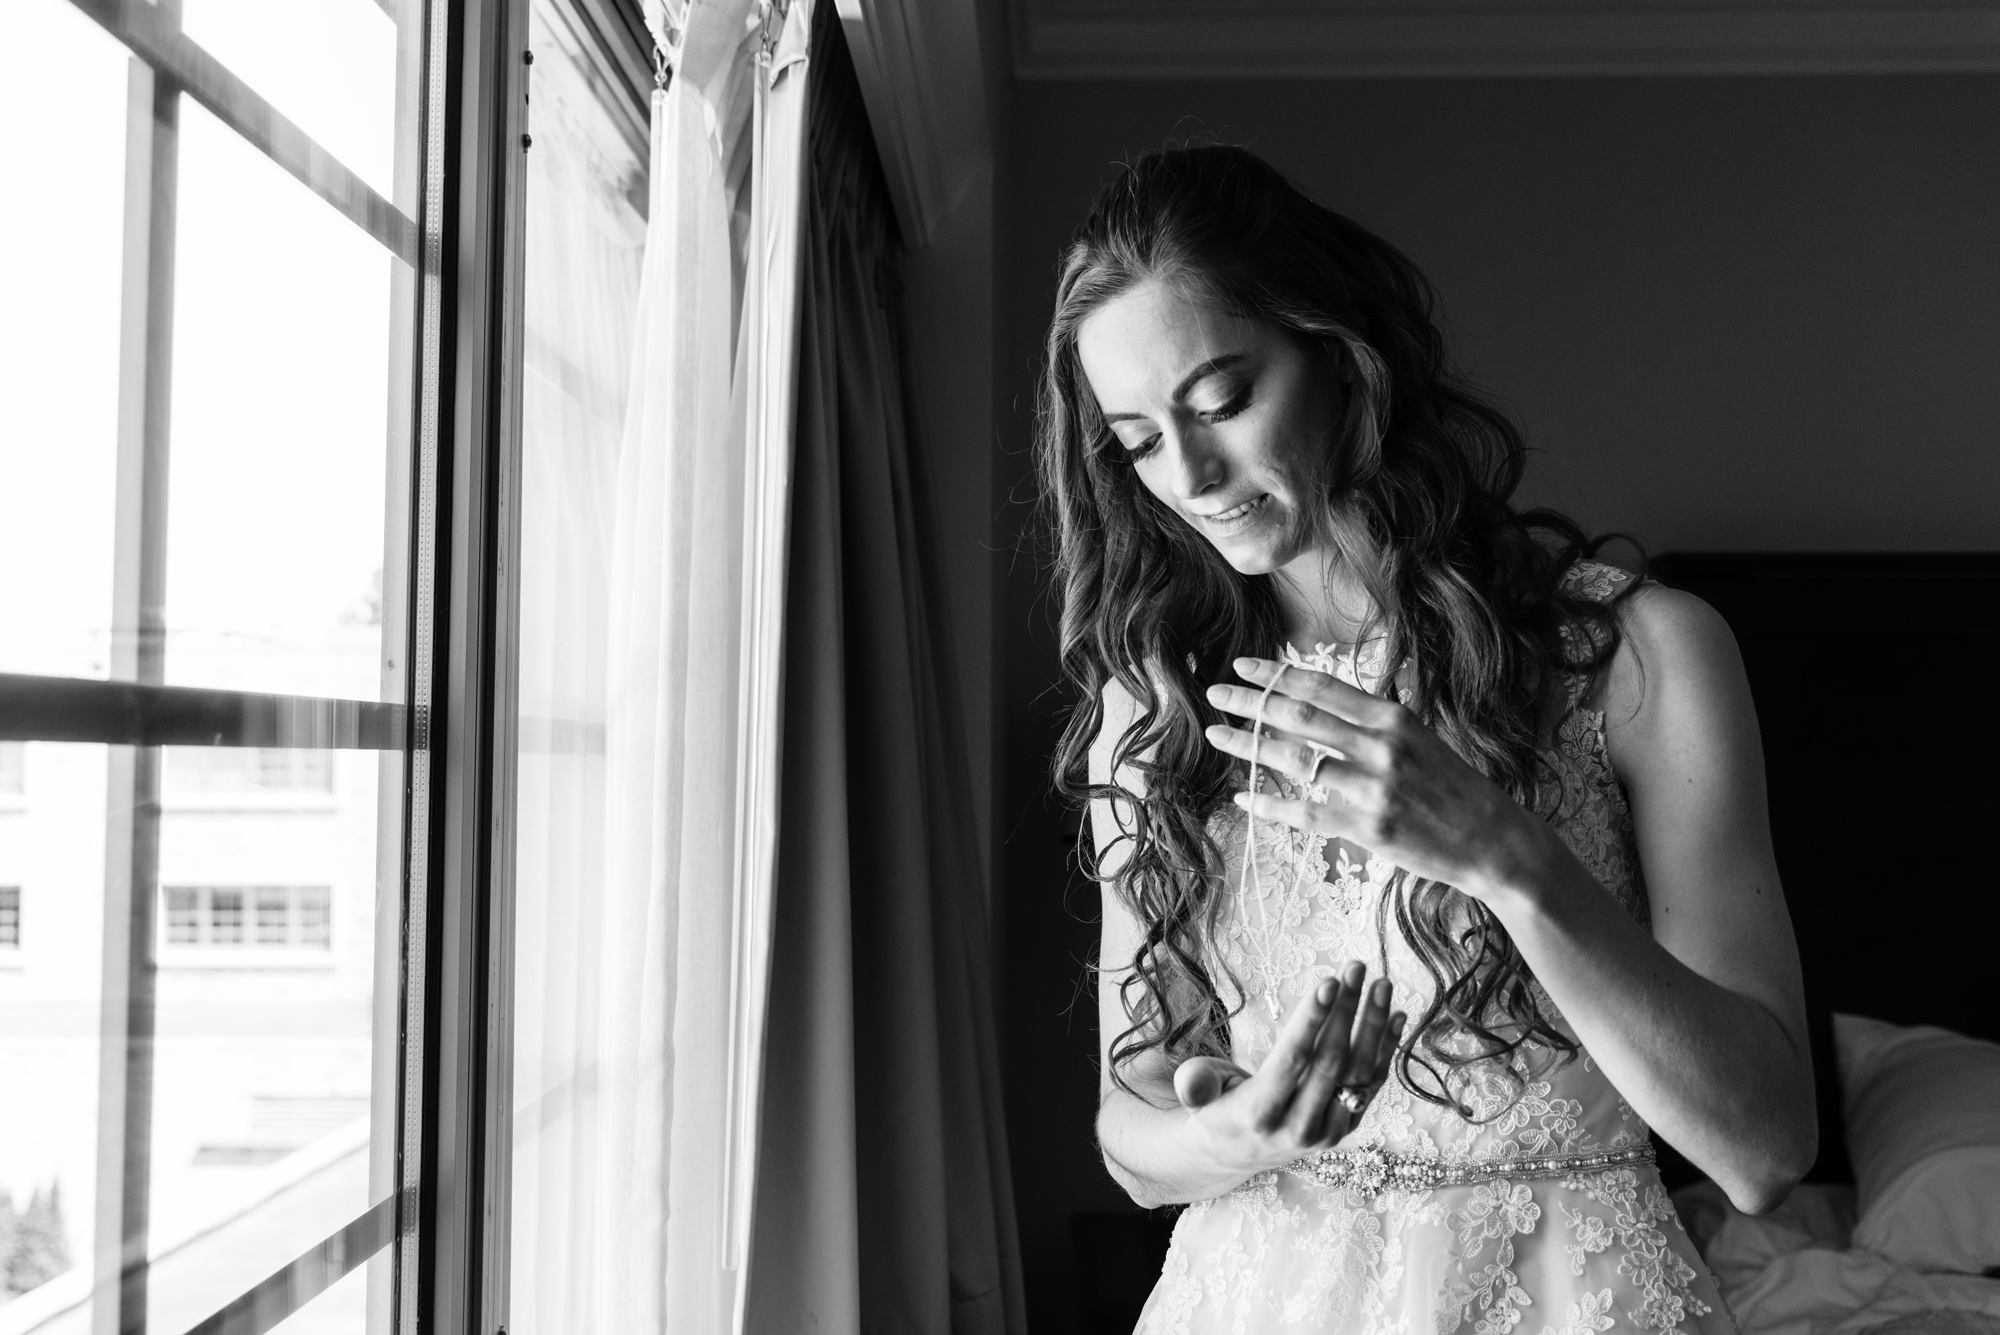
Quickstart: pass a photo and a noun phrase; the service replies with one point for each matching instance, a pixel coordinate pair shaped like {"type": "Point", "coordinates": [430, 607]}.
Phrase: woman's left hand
{"type": "Point", "coordinates": [1394, 787]}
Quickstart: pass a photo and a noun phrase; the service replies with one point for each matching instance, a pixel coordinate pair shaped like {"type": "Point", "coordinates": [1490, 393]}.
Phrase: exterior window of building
{"type": "Point", "coordinates": [10, 916]}
{"type": "Point", "coordinates": [225, 917]}
{"type": "Point", "coordinates": [314, 915]}
{"type": "Point", "coordinates": [283, 917]}
{"type": "Point", "coordinates": [183, 916]}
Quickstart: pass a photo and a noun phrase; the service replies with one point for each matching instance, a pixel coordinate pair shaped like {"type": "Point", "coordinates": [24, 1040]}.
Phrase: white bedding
{"type": "Point", "coordinates": [1793, 1272]}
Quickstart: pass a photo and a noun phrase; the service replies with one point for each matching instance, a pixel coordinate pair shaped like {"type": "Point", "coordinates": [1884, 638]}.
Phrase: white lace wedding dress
{"type": "Point", "coordinates": [1546, 1215]}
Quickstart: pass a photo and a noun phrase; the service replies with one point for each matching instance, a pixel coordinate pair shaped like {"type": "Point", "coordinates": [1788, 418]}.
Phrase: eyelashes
{"type": "Point", "coordinates": [1234, 406]}
{"type": "Point", "coordinates": [1231, 408]}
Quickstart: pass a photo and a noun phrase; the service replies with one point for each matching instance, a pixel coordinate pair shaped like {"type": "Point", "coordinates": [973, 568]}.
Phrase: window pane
{"type": "Point", "coordinates": [280, 412]}
{"type": "Point", "coordinates": [52, 858]}
{"type": "Point", "coordinates": [315, 916]}
{"type": "Point", "coordinates": [274, 917]}
{"type": "Point", "coordinates": [59, 287]}
{"type": "Point", "coordinates": [329, 66]}
{"type": "Point", "coordinates": [199, 775]}
{"type": "Point", "coordinates": [269, 1055]}
{"type": "Point", "coordinates": [183, 916]}
{"type": "Point", "coordinates": [225, 917]}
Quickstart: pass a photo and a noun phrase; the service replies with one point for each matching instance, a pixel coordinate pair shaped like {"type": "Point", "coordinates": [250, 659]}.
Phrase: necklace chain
{"type": "Point", "coordinates": [1268, 940]}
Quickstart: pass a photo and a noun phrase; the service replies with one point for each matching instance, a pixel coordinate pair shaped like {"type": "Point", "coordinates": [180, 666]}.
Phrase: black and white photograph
{"type": "Point", "coordinates": [1000, 667]}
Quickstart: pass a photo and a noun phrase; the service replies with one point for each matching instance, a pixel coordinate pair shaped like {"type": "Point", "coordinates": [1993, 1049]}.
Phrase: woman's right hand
{"type": "Point", "coordinates": [1289, 1107]}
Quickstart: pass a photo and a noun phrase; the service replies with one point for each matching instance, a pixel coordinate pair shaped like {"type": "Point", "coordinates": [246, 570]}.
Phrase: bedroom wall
{"type": "Point", "coordinates": [1732, 313]}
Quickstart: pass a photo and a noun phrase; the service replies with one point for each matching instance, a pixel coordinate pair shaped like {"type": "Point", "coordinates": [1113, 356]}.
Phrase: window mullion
{"type": "Point", "coordinates": [138, 640]}
{"type": "Point", "coordinates": [153, 33]}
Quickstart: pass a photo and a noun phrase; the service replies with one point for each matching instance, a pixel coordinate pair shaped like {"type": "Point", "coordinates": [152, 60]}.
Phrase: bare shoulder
{"type": "Point", "coordinates": [1675, 697]}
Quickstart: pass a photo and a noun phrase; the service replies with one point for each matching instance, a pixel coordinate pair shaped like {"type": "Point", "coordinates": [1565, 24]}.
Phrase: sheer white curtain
{"type": "Point", "coordinates": [585, 241]}
{"type": "Point", "coordinates": [638, 1039]}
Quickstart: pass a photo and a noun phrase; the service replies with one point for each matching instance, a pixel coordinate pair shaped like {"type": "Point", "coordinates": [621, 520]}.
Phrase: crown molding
{"type": "Point", "coordinates": [1337, 39]}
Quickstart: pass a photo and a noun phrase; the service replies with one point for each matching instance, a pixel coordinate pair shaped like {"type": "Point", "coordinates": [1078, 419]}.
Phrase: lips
{"type": "Point", "coordinates": [1236, 516]}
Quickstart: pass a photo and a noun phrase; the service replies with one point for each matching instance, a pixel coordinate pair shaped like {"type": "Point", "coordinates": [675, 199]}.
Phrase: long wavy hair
{"type": "Point", "coordinates": [1415, 498]}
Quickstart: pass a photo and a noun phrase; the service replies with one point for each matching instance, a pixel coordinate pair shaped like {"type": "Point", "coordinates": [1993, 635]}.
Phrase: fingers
{"type": "Point", "coordinates": [1366, 1045]}
{"type": "Point", "coordinates": [1339, 1120]}
{"type": "Point", "coordinates": [1385, 1054]}
{"type": "Point", "coordinates": [1295, 734]}
{"type": "Point", "coordinates": [1328, 692]}
{"type": "Point", "coordinates": [1384, 1058]}
{"type": "Point", "coordinates": [1331, 1056]}
{"type": "Point", "coordinates": [1200, 1081]}
{"type": "Point", "coordinates": [1277, 1080]}
{"type": "Point", "coordinates": [1295, 757]}
{"type": "Point", "coordinates": [1343, 819]}
{"type": "Point", "coordinates": [1290, 716]}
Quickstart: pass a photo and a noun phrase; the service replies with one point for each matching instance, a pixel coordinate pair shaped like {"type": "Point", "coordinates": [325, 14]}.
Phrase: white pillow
{"type": "Point", "coordinates": [1923, 1129]}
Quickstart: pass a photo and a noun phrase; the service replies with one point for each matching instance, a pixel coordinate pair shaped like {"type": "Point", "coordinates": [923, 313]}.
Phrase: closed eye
{"type": "Point", "coordinates": [1231, 408]}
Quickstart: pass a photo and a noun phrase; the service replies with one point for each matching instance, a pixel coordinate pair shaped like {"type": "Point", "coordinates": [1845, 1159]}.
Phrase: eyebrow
{"type": "Point", "coordinates": [1188, 382]}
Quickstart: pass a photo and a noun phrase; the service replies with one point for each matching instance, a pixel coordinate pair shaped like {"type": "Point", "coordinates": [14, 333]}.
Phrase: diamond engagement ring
{"type": "Point", "coordinates": [1351, 1098]}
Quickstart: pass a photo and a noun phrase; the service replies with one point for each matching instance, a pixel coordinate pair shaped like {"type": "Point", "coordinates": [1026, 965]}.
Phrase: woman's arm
{"type": "Point", "coordinates": [1699, 1025]}
{"type": "Point", "coordinates": [1196, 1132]}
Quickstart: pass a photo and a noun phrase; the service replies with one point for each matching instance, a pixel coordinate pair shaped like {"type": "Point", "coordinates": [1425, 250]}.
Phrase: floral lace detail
{"type": "Point", "coordinates": [1570, 1256]}
{"type": "Point", "coordinates": [1588, 1314]}
{"type": "Point", "coordinates": [1594, 582]}
{"type": "Point", "coordinates": [1581, 796]}
{"type": "Point", "coordinates": [1496, 1211]}
{"type": "Point", "coordinates": [1648, 1259]}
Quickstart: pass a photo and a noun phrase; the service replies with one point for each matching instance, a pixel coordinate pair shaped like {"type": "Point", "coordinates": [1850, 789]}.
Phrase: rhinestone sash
{"type": "Point", "coordinates": [1371, 1172]}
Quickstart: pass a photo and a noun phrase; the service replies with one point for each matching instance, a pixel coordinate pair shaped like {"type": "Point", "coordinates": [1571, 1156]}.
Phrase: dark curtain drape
{"type": "Point", "coordinates": [883, 1199]}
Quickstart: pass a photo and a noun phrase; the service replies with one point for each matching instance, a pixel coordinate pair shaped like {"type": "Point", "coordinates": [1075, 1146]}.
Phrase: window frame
{"type": "Point", "coordinates": [447, 1218]}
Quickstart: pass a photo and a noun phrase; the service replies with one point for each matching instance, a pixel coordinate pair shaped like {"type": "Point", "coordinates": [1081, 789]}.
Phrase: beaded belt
{"type": "Point", "coordinates": [1371, 1172]}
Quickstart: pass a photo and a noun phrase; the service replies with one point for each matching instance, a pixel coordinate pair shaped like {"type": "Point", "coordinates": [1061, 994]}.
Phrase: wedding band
{"type": "Point", "coordinates": [1351, 1098]}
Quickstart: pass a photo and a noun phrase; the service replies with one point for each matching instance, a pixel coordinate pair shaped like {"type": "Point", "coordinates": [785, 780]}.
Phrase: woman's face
{"type": "Point", "coordinates": [1227, 420]}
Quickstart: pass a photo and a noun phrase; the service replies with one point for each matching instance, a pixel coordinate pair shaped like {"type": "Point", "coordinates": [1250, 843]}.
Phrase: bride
{"type": "Point", "coordinates": [1435, 860]}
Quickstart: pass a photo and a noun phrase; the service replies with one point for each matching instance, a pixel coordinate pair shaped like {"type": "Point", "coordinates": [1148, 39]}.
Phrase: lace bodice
{"type": "Point", "coordinates": [1315, 902]}
{"type": "Point", "coordinates": [1287, 1253]}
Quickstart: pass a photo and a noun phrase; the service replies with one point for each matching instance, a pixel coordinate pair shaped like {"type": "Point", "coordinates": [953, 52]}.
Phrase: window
{"type": "Point", "coordinates": [239, 343]}
{"type": "Point", "coordinates": [283, 917]}
{"type": "Point", "coordinates": [249, 769]}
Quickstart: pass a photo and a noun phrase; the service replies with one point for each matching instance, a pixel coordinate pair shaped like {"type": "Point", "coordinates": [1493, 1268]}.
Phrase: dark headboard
{"type": "Point", "coordinates": [1877, 681]}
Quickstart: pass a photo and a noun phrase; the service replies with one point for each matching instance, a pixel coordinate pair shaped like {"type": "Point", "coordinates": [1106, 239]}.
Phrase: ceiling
{"type": "Point", "coordinates": [1313, 39]}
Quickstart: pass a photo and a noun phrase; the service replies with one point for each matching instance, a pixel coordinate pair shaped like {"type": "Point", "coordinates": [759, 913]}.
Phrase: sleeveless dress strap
{"type": "Point", "coordinates": [1592, 582]}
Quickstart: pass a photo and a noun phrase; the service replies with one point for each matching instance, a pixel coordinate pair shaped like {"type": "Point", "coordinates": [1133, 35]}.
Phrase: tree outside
{"type": "Point", "coordinates": [34, 1248]}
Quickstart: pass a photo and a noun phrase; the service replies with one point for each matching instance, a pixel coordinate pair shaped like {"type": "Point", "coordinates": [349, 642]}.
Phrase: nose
{"type": "Point", "coordinates": [1198, 467]}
